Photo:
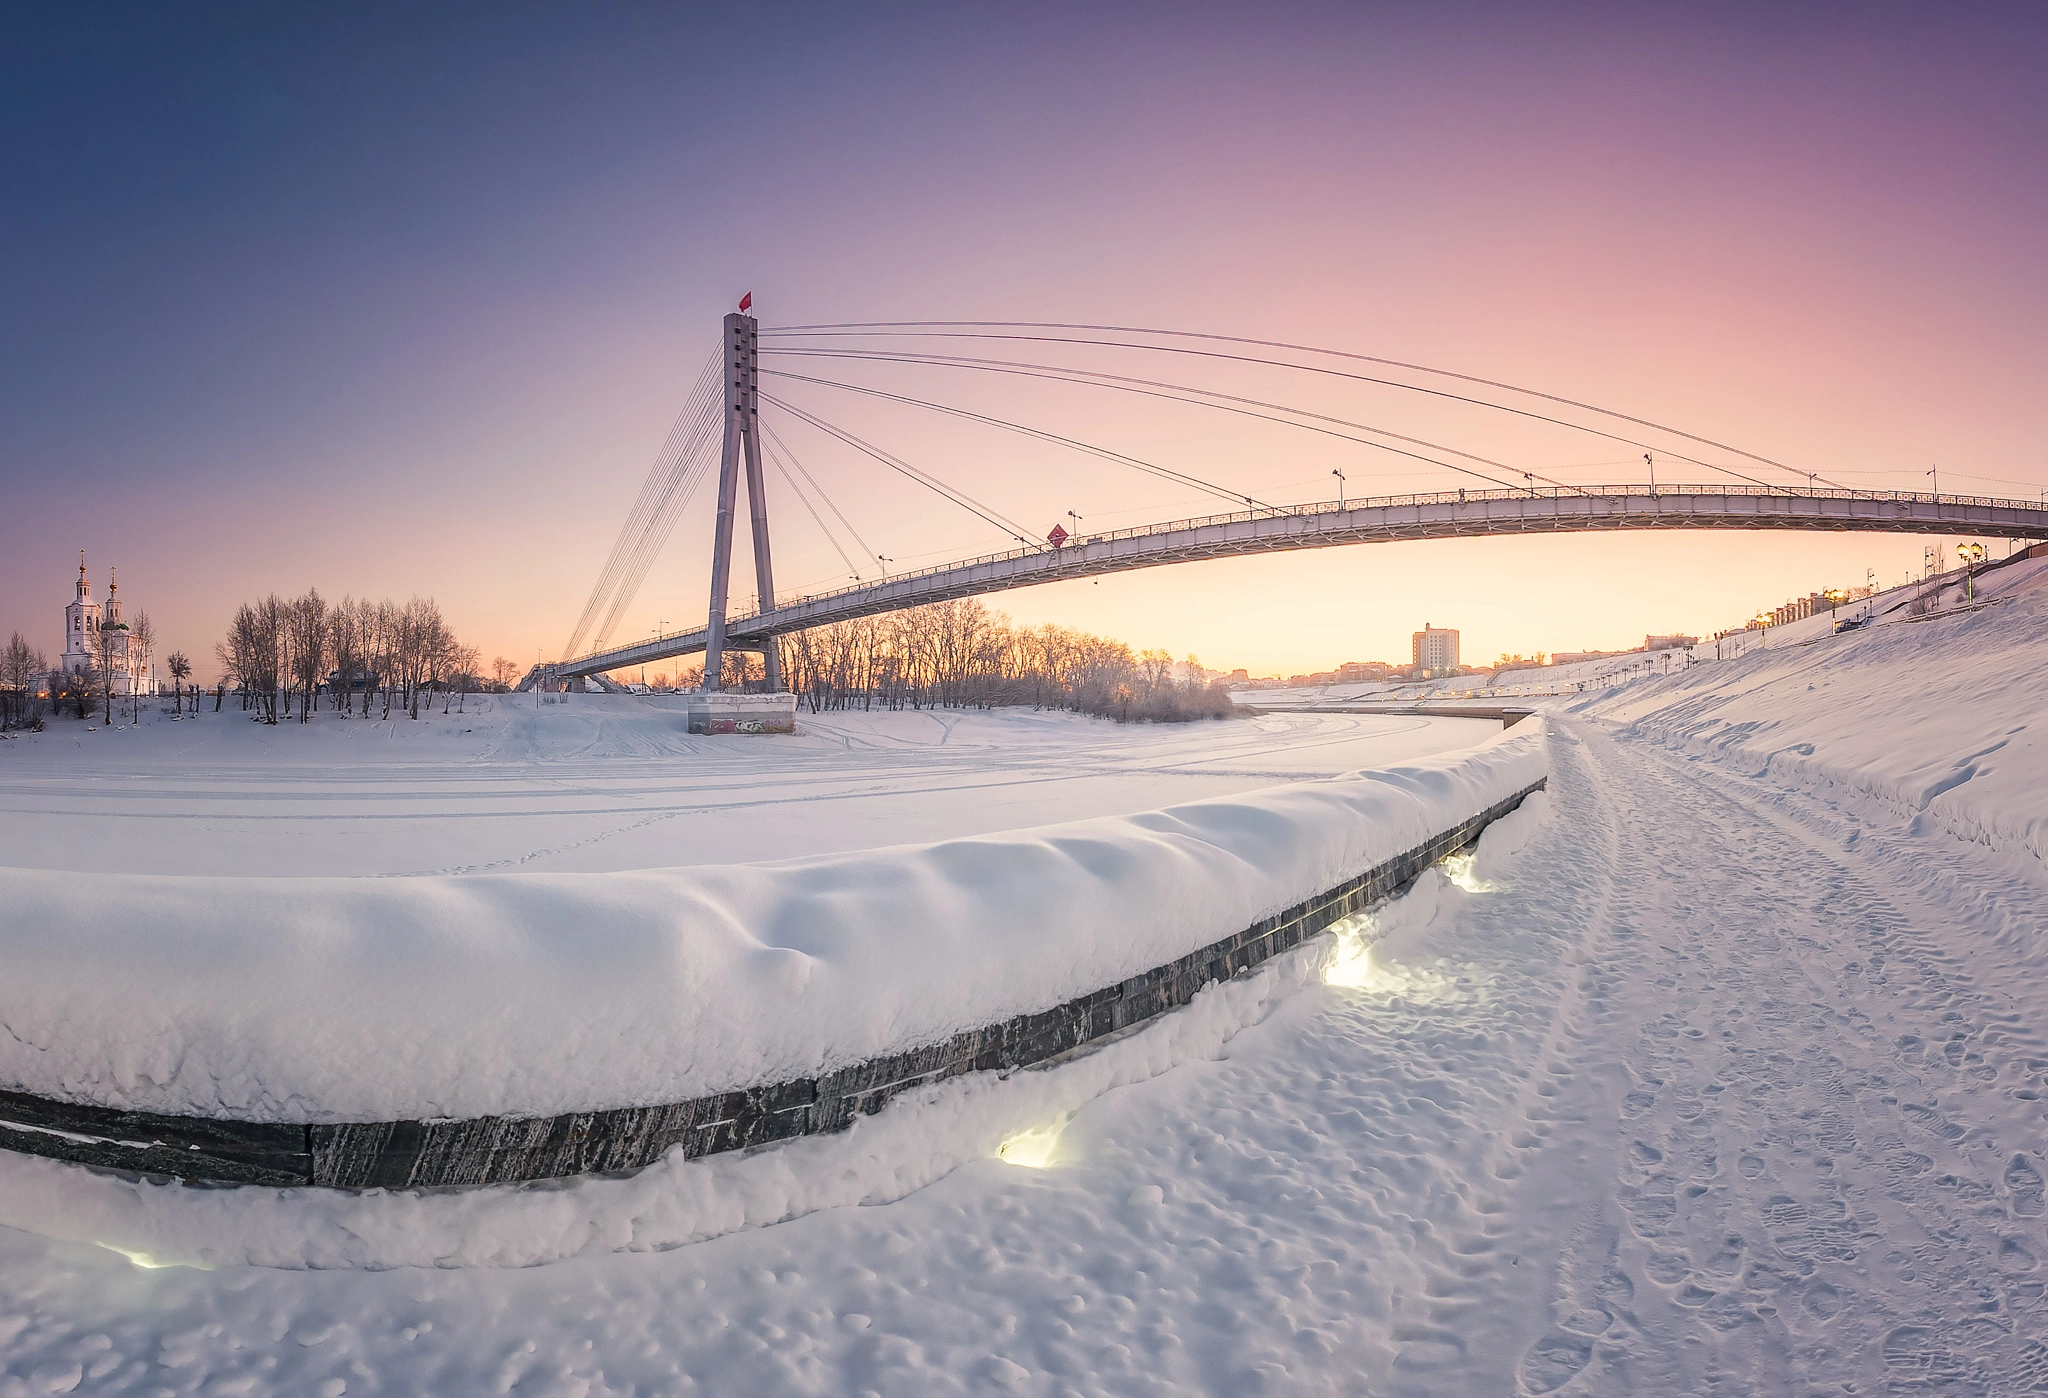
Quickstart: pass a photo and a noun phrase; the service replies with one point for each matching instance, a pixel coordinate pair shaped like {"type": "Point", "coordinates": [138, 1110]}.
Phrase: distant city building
{"type": "Point", "coordinates": [1800, 608]}
{"type": "Point", "coordinates": [1436, 651]}
{"type": "Point", "coordinates": [1351, 672]}
{"type": "Point", "coordinates": [1669, 642]}
{"type": "Point", "coordinates": [91, 629]}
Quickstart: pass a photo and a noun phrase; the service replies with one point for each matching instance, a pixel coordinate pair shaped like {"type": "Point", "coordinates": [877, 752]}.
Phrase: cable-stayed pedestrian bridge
{"type": "Point", "coordinates": [1388, 519]}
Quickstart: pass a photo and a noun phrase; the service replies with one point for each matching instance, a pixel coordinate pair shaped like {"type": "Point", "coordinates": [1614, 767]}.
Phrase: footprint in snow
{"type": "Point", "coordinates": [1903, 1165]}
{"type": "Point", "coordinates": [2032, 1369]}
{"type": "Point", "coordinates": [1553, 1361]}
{"type": "Point", "coordinates": [1726, 1260]}
{"type": "Point", "coordinates": [1969, 1191]}
{"type": "Point", "coordinates": [2023, 1182]}
{"type": "Point", "coordinates": [1927, 1119]}
{"type": "Point", "coordinates": [1822, 1300]}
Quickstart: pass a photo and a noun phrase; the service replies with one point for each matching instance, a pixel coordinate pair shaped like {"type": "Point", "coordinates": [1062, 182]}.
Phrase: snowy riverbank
{"type": "Point", "coordinates": [1940, 719]}
{"type": "Point", "coordinates": [537, 994]}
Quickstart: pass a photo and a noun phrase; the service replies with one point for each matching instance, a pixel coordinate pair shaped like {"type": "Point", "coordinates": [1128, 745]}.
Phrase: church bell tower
{"type": "Point", "coordinates": [81, 627]}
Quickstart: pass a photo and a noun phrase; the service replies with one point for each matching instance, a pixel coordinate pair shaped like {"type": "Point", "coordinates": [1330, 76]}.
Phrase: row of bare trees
{"type": "Point", "coordinates": [962, 654]}
{"type": "Point", "coordinates": [28, 686]}
{"type": "Point", "coordinates": [401, 654]}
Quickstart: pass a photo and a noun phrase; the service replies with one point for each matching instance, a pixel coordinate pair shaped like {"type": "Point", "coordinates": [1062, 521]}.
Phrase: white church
{"type": "Point", "coordinates": [94, 633]}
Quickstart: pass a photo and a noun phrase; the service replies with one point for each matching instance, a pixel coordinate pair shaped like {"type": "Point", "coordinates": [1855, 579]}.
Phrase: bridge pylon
{"type": "Point", "coordinates": [740, 353]}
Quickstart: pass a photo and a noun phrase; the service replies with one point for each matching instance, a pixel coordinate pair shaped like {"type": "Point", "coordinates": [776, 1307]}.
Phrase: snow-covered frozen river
{"type": "Point", "coordinates": [608, 782]}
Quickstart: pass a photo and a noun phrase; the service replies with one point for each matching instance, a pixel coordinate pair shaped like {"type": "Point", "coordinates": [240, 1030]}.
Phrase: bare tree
{"type": "Point", "coordinates": [468, 661]}
{"type": "Point", "coordinates": [253, 650]}
{"type": "Point", "coordinates": [141, 645]}
{"type": "Point", "coordinates": [309, 643]}
{"type": "Point", "coordinates": [345, 640]}
{"type": "Point", "coordinates": [179, 667]}
{"type": "Point", "coordinates": [21, 668]}
{"type": "Point", "coordinates": [1154, 666]}
{"type": "Point", "coordinates": [424, 640]}
{"type": "Point", "coordinates": [109, 643]}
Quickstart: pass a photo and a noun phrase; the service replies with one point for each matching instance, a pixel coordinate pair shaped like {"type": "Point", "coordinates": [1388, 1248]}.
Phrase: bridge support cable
{"type": "Point", "coordinates": [775, 460]}
{"type": "Point", "coordinates": [660, 483]}
{"type": "Point", "coordinates": [1172, 393]}
{"type": "Point", "coordinates": [930, 482]}
{"type": "Point", "coordinates": [775, 441]}
{"type": "Point", "coordinates": [635, 524]}
{"type": "Point", "coordinates": [1150, 468]}
{"type": "Point", "coordinates": [693, 468]}
{"type": "Point", "coordinates": [874, 330]}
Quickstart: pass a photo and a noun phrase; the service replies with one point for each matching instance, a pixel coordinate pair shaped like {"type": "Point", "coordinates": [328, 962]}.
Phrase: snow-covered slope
{"type": "Point", "coordinates": [1944, 718]}
{"type": "Point", "coordinates": [537, 994]}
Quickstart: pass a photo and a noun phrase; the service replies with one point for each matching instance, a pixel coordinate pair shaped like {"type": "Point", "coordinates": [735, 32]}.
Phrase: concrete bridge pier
{"type": "Point", "coordinates": [741, 356]}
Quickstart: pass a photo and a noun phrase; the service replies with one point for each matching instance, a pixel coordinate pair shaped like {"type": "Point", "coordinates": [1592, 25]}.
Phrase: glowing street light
{"type": "Point", "coordinates": [1971, 554]}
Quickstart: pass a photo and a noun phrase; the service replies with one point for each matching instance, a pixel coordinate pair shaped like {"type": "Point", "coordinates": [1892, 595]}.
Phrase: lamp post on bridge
{"type": "Point", "coordinates": [1340, 488]}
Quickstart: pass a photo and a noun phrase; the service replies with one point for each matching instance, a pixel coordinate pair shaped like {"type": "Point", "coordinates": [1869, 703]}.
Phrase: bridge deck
{"type": "Point", "coordinates": [1443, 515]}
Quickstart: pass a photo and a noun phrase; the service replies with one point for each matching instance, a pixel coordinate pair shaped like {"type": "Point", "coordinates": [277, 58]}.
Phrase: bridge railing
{"type": "Point", "coordinates": [737, 622]}
{"type": "Point", "coordinates": [1379, 502]}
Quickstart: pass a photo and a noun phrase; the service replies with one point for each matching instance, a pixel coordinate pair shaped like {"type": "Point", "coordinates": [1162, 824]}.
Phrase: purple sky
{"type": "Point", "coordinates": [385, 303]}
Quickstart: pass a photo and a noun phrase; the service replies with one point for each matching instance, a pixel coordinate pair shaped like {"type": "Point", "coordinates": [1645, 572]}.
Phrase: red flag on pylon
{"type": "Point", "coordinates": [746, 302]}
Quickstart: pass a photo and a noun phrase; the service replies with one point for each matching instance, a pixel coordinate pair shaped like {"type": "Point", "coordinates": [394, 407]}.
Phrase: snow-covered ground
{"type": "Point", "coordinates": [536, 994]}
{"type": "Point", "coordinates": [1939, 717]}
{"type": "Point", "coordinates": [1725, 1074]}
{"type": "Point", "coordinates": [608, 782]}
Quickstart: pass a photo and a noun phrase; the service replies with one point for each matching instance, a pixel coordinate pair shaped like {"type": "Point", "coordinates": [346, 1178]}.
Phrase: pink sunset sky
{"type": "Point", "coordinates": [389, 303]}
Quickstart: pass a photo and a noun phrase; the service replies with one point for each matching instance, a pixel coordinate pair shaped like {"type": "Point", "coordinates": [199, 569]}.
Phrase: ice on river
{"type": "Point", "coordinates": [607, 782]}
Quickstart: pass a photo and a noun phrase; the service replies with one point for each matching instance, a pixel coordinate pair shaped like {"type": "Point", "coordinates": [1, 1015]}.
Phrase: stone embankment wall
{"type": "Point", "coordinates": [489, 1150]}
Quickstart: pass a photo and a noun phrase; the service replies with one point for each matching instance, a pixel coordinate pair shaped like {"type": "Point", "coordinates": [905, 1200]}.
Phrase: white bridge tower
{"type": "Point", "coordinates": [742, 444]}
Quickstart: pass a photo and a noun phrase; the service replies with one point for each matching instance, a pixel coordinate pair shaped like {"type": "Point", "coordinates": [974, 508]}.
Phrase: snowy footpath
{"type": "Point", "coordinates": [1711, 1074]}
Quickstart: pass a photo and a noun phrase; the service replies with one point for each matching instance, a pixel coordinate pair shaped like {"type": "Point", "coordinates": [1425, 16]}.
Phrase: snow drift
{"type": "Point", "coordinates": [314, 1000]}
{"type": "Point", "coordinates": [1939, 718]}
{"type": "Point", "coordinates": [915, 1140]}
